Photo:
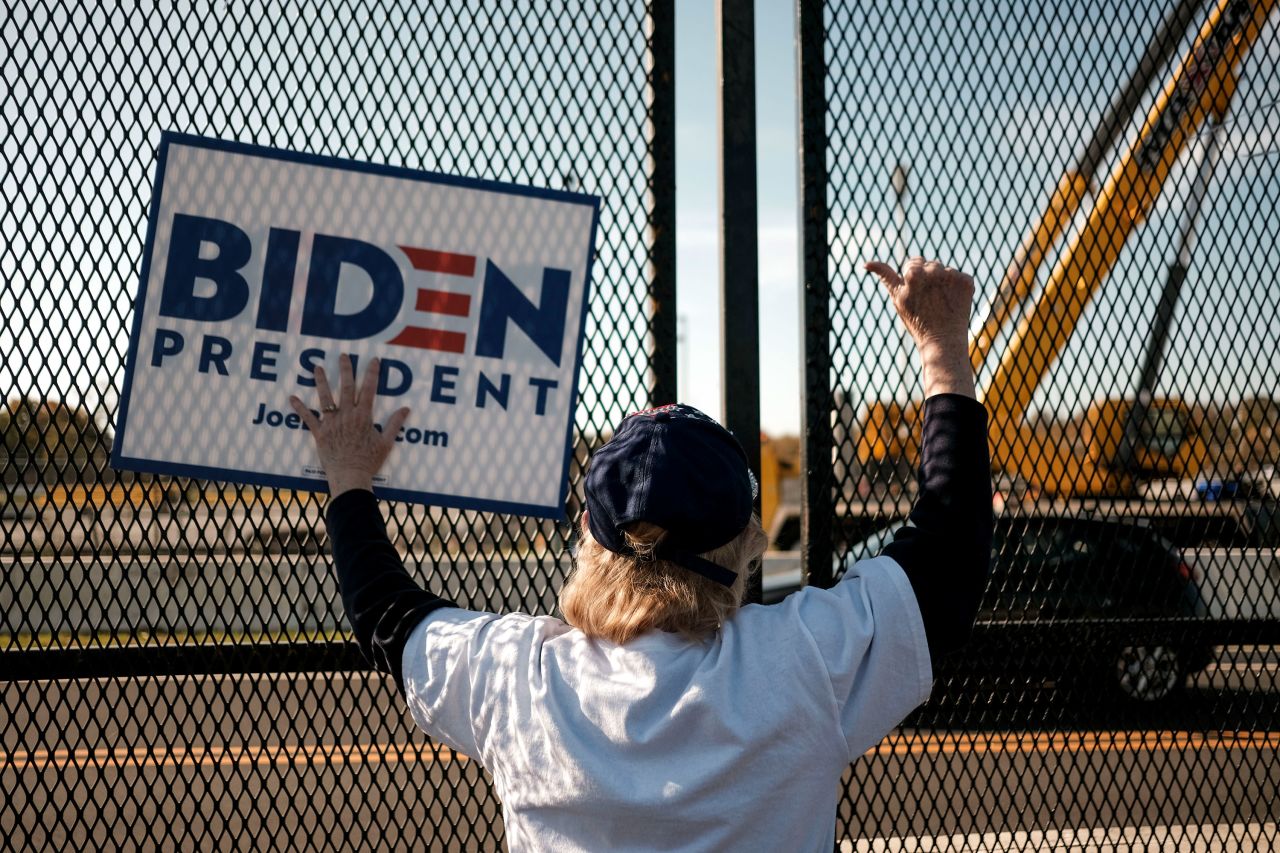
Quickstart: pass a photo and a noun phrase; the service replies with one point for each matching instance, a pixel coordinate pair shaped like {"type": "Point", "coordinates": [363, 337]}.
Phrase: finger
{"type": "Point", "coordinates": [322, 387]}
{"type": "Point", "coordinates": [346, 382]}
{"type": "Point", "coordinates": [915, 266]}
{"type": "Point", "coordinates": [394, 425]}
{"type": "Point", "coordinates": [368, 387]}
{"type": "Point", "coordinates": [308, 418]}
{"type": "Point", "coordinates": [886, 273]}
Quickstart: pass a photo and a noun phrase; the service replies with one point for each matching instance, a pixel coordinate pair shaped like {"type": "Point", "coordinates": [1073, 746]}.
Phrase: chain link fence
{"type": "Point", "coordinates": [263, 731]}
{"type": "Point", "coordinates": [174, 670]}
{"type": "Point", "coordinates": [1107, 173]}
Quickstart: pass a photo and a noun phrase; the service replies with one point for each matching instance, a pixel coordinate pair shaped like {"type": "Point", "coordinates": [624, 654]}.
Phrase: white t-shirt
{"type": "Point", "coordinates": [736, 743]}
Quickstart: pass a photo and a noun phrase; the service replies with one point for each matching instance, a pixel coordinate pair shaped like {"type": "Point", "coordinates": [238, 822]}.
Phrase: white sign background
{"type": "Point", "coordinates": [176, 419]}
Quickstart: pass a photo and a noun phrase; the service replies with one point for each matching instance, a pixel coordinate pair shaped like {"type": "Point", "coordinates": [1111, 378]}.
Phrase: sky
{"type": "Point", "coordinates": [986, 132]}
{"type": "Point", "coordinates": [987, 105]}
{"type": "Point", "coordinates": [697, 211]}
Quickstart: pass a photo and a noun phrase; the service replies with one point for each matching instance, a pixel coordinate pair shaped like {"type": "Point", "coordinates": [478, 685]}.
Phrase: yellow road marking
{"type": "Point", "coordinates": [995, 742]}
{"type": "Point", "coordinates": [154, 494]}
{"type": "Point", "coordinates": [248, 755]}
{"type": "Point", "coordinates": [393, 753]}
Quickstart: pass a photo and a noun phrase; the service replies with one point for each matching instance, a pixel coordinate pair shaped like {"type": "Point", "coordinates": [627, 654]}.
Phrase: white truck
{"type": "Point", "coordinates": [1237, 557]}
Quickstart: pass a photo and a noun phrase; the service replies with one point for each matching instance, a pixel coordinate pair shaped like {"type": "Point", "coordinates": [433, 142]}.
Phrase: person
{"type": "Point", "coordinates": [660, 713]}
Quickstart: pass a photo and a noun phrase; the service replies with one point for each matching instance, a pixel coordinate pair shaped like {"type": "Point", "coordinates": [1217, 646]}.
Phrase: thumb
{"type": "Point", "coordinates": [886, 273]}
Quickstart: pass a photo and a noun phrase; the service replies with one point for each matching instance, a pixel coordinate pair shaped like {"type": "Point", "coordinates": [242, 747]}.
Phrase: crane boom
{"type": "Point", "coordinates": [1203, 83]}
{"type": "Point", "coordinates": [1075, 184]}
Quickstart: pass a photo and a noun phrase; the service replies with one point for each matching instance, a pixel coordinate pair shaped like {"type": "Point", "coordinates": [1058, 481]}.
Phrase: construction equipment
{"type": "Point", "coordinates": [779, 484]}
{"type": "Point", "coordinates": [1127, 440]}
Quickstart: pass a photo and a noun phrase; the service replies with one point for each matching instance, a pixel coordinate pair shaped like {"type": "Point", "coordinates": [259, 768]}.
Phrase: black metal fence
{"type": "Point", "coordinates": [1107, 172]}
{"type": "Point", "coordinates": [173, 669]}
{"type": "Point", "coordinates": [261, 735]}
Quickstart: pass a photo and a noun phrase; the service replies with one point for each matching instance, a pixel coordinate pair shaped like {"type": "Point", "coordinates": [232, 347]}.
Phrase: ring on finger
{"type": "Point", "coordinates": [330, 409]}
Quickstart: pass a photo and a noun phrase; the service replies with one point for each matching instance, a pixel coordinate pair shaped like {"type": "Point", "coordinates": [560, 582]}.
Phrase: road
{"type": "Point", "coordinates": [282, 762]}
{"type": "Point", "coordinates": [231, 762]}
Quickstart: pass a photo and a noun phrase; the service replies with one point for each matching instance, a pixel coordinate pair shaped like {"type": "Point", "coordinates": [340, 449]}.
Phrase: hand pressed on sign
{"type": "Point", "coordinates": [933, 301]}
{"type": "Point", "coordinates": [351, 448]}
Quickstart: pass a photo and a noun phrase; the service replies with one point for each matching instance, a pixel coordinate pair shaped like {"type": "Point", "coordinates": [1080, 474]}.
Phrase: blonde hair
{"type": "Point", "coordinates": [617, 597]}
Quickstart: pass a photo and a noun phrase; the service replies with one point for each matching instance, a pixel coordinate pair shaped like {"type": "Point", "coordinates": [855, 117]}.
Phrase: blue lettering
{"type": "Point", "coordinates": [413, 435]}
{"type": "Point", "coordinates": [543, 386]}
{"type": "Point", "coordinates": [167, 343]}
{"type": "Point", "coordinates": [485, 388]}
{"type": "Point", "coordinates": [214, 352]}
{"type": "Point", "coordinates": [277, 280]}
{"type": "Point", "coordinates": [262, 352]}
{"type": "Point", "coordinates": [442, 381]}
{"type": "Point", "coordinates": [320, 315]}
{"type": "Point", "coordinates": [503, 301]}
{"type": "Point", "coordinates": [231, 292]}
{"type": "Point", "coordinates": [385, 387]}
{"type": "Point", "coordinates": [309, 360]}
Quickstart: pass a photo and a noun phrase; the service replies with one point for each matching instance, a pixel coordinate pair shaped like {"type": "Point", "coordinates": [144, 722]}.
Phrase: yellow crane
{"type": "Point", "coordinates": [1126, 439]}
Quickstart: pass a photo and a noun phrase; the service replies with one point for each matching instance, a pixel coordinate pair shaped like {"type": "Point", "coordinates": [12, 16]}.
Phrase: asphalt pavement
{"type": "Point", "coordinates": [331, 762]}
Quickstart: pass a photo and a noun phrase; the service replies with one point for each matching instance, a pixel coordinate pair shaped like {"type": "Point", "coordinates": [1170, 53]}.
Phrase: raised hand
{"type": "Point", "coordinates": [933, 301]}
{"type": "Point", "coordinates": [351, 449]}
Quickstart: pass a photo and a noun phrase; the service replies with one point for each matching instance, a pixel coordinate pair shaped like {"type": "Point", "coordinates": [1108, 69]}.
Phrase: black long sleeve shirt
{"type": "Point", "coordinates": [383, 603]}
{"type": "Point", "coordinates": [944, 550]}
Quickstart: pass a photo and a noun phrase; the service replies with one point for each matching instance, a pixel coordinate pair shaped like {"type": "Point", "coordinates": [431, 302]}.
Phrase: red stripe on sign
{"type": "Point", "coordinates": [439, 302]}
{"type": "Point", "coordinates": [436, 339]}
{"type": "Point", "coordinates": [445, 262]}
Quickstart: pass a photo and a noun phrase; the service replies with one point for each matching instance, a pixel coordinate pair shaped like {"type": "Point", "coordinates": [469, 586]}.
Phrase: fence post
{"type": "Point", "coordinates": [662, 192]}
{"type": "Point", "coordinates": [739, 266]}
{"type": "Point", "coordinates": [815, 318]}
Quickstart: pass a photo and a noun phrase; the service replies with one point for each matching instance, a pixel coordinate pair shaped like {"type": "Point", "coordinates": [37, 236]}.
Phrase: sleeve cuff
{"type": "Point", "coordinates": [954, 405]}
{"type": "Point", "coordinates": [353, 509]}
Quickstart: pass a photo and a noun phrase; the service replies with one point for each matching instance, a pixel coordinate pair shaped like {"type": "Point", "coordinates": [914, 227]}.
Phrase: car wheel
{"type": "Point", "coordinates": [1148, 673]}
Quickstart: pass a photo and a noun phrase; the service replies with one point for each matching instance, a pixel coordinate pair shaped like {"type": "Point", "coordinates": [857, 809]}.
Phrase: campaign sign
{"type": "Point", "coordinates": [261, 265]}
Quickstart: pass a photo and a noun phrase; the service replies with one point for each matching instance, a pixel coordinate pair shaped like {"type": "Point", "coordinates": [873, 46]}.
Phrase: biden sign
{"type": "Point", "coordinates": [262, 265]}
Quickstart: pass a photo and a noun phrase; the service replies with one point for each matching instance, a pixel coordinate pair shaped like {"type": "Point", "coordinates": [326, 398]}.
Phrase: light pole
{"type": "Point", "coordinates": [682, 344]}
{"type": "Point", "coordinates": [901, 172]}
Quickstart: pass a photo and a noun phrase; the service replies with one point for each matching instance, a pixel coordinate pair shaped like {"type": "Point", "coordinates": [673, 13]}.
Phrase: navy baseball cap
{"type": "Point", "coordinates": [675, 467]}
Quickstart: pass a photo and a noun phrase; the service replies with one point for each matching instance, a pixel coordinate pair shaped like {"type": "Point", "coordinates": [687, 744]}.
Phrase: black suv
{"type": "Point", "coordinates": [1104, 602]}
